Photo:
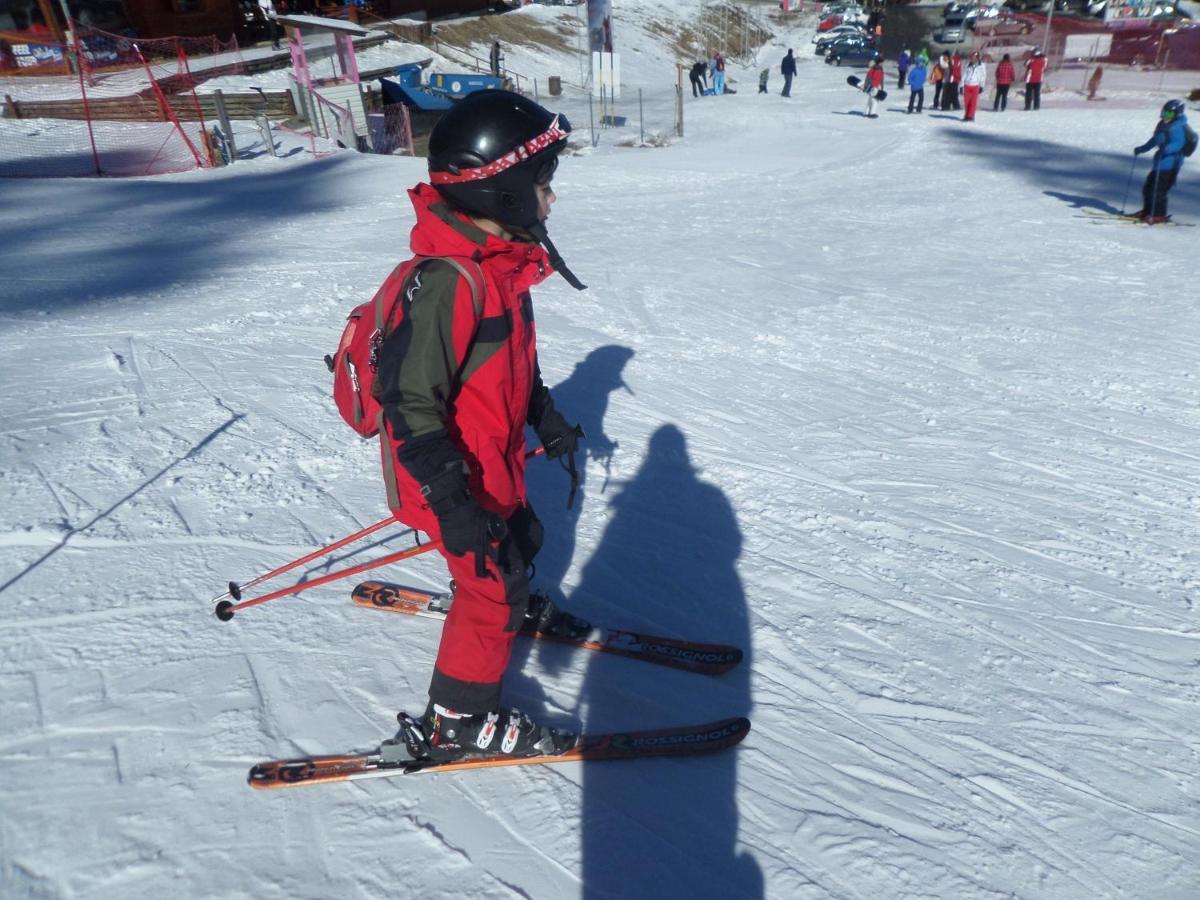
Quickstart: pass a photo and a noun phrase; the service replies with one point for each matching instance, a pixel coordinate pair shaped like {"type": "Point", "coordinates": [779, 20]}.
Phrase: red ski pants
{"type": "Point", "coordinates": [485, 616]}
{"type": "Point", "coordinates": [970, 100]}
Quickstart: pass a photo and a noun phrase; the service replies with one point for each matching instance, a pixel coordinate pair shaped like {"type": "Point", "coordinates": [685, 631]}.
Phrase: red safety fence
{"type": "Point", "coordinates": [140, 116]}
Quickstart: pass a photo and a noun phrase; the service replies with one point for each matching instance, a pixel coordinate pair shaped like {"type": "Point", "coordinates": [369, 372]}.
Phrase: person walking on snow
{"type": "Point", "coordinates": [902, 65]}
{"type": "Point", "coordinates": [763, 77]}
{"type": "Point", "coordinates": [458, 381]}
{"type": "Point", "coordinates": [1168, 141]}
{"type": "Point", "coordinates": [1005, 76]}
{"type": "Point", "coordinates": [916, 84]}
{"type": "Point", "coordinates": [873, 84]}
{"type": "Point", "coordinates": [1035, 68]}
{"type": "Point", "coordinates": [974, 83]}
{"type": "Point", "coordinates": [788, 68]}
{"type": "Point", "coordinates": [699, 79]}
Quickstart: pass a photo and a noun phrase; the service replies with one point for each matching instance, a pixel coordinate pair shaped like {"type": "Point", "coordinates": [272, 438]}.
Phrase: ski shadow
{"type": "Point", "coordinates": [666, 565]}
{"type": "Point", "coordinates": [853, 112]}
{"type": "Point", "coordinates": [1078, 202]}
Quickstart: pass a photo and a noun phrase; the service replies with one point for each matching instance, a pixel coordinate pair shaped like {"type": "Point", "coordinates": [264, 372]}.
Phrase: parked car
{"type": "Point", "coordinates": [993, 51]}
{"type": "Point", "coordinates": [826, 41]}
{"type": "Point", "coordinates": [953, 30]}
{"type": "Point", "coordinates": [999, 26]}
{"type": "Point", "coordinates": [840, 31]}
{"type": "Point", "coordinates": [850, 52]}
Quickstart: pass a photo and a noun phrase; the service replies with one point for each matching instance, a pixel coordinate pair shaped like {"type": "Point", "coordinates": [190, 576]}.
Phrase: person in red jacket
{"type": "Point", "coordinates": [954, 84]}
{"type": "Point", "coordinates": [1005, 76]}
{"type": "Point", "coordinates": [872, 84]}
{"type": "Point", "coordinates": [458, 381]}
{"type": "Point", "coordinates": [1035, 68]}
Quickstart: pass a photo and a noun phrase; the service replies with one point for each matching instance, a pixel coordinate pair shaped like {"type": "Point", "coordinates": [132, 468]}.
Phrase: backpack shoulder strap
{"type": "Point", "coordinates": [467, 268]}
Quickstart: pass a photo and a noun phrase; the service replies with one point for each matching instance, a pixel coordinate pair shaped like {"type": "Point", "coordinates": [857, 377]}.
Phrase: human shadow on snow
{"type": "Point", "coordinates": [179, 230]}
{"type": "Point", "coordinates": [666, 565]}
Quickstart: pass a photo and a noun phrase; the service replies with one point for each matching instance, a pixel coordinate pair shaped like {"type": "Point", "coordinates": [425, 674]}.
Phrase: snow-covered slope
{"type": "Point", "coordinates": [868, 397]}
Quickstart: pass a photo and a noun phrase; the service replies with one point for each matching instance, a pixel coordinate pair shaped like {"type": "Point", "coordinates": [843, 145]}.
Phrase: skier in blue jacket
{"type": "Point", "coordinates": [916, 83]}
{"type": "Point", "coordinates": [1170, 135]}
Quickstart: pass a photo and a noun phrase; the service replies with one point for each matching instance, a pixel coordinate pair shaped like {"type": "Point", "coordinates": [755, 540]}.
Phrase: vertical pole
{"type": "Point", "coordinates": [87, 112]}
{"type": "Point", "coordinates": [1046, 36]}
{"type": "Point", "coordinates": [223, 117]}
{"type": "Point", "coordinates": [641, 118]}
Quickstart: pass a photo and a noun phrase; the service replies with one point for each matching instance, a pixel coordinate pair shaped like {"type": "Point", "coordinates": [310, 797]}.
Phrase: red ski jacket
{"type": "Point", "coordinates": [1034, 68]}
{"type": "Point", "coordinates": [875, 77]}
{"type": "Point", "coordinates": [1005, 74]}
{"type": "Point", "coordinates": [460, 363]}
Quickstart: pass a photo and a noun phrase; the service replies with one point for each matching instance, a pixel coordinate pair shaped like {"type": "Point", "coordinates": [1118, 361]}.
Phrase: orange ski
{"type": "Point", "coordinates": [686, 741]}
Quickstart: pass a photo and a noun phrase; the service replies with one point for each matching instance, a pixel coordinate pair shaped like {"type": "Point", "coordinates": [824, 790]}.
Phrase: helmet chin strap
{"type": "Point", "coordinates": [538, 233]}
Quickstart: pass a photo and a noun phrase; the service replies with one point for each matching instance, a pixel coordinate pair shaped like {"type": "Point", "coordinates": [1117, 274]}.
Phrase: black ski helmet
{"type": "Point", "coordinates": [1172, 108]}
{"type": "Point", "coordinates": [487, 152]}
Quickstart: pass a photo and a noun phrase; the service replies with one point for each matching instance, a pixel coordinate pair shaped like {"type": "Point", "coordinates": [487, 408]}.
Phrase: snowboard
{"type": "Point", "coordinates": [856, 82]}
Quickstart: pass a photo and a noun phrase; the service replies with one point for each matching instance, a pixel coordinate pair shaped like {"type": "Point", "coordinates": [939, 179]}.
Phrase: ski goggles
{"type": "Point", "coordinates": [559, 129]}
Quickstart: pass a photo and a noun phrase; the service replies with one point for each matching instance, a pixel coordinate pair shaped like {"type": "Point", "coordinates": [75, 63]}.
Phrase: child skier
{"type": "Point", "coordinates": [458, 380]}
{"type": "Point", "coordinates": [1168, 142]}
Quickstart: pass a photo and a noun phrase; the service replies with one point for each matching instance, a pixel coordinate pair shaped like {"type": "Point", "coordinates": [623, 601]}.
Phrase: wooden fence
{"type": "Point", "coordinates": [277, 105]}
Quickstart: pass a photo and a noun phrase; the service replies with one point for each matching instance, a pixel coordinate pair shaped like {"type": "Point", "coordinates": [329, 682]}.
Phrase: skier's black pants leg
{"type": "Point", "coordinates": [900, 83]}
{"type": "Point", "coordinates": [917, 97]}
{"type": "Point", "coordinates": [1154, 191]}
{"type": "Point", "coordinates": [937, 95]}
{"type": "Point", "coordinates": [1001, 98]}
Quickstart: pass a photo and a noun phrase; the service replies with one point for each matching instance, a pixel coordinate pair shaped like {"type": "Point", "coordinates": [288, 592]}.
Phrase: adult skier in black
{"type": "Point", "coordinates": [788, 68]}
{"type": "Point", "coordinates": [699, 78]}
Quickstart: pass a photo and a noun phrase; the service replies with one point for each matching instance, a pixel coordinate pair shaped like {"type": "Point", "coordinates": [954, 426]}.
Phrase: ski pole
{"type": "Point", "coordinates": [1128, 183]}
{"type": "Point", "coordinates": [235, 590]}
{"type": "Point", "coordinates": [225, 609]}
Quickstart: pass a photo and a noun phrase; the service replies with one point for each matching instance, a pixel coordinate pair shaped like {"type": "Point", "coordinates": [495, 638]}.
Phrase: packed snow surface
{"type": "Point", "coordinates": [875, 399]}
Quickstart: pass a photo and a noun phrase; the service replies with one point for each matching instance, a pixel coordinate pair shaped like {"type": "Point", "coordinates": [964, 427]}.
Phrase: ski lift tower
{"type": "Point", "coordinates": [312, 39]}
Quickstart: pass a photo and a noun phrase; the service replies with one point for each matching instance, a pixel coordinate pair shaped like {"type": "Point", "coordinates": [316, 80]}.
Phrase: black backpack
{"type": "Point", "coordinates": [1189, 140]}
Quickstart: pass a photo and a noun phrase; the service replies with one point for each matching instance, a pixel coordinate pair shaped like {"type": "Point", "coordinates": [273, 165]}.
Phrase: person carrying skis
{"type": "Point", "coordinates": [1035, 68]}
{"type": "Point", "coordinates": [458, 380]}
{"type": "Point", "coordinates": [974, 83]}
{"type": "Point", "coordinates": [1005, 76]}
{"type": "Point", "coordinates": [788, 69]}
{"type": "Point", "coordinates": [902, 65]}
{"type": "Point", "coordinates": [873, 83]}
{"type": "Point", "coordinates": [699, 78]}
{"type": "Point", "coordinates": [916, 84]}
{"type": "Point", "coordinates": [1168, 142]}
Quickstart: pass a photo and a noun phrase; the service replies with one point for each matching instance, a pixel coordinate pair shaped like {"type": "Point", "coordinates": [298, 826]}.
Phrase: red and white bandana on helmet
{"type": "Point", "coordinates": [522, 152]}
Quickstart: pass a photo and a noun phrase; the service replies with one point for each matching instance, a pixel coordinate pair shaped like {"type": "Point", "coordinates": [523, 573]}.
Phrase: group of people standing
{"type": "Point", "coordinates": [951, 78]}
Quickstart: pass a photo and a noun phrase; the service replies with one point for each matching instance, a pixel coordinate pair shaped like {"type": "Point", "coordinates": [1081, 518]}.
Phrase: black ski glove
{"type": "Point", "coordinates": [557, 436]}
{"type": "Point", "coordinates": [560, 439]}
{"type": "Point", "coordinates": [466, 527]}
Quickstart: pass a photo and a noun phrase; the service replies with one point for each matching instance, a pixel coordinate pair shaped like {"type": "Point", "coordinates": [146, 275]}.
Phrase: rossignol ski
{"type": "Point", "coordinates": [707, 659]}
{"type": "Point", "coordinates": [393, 758]}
